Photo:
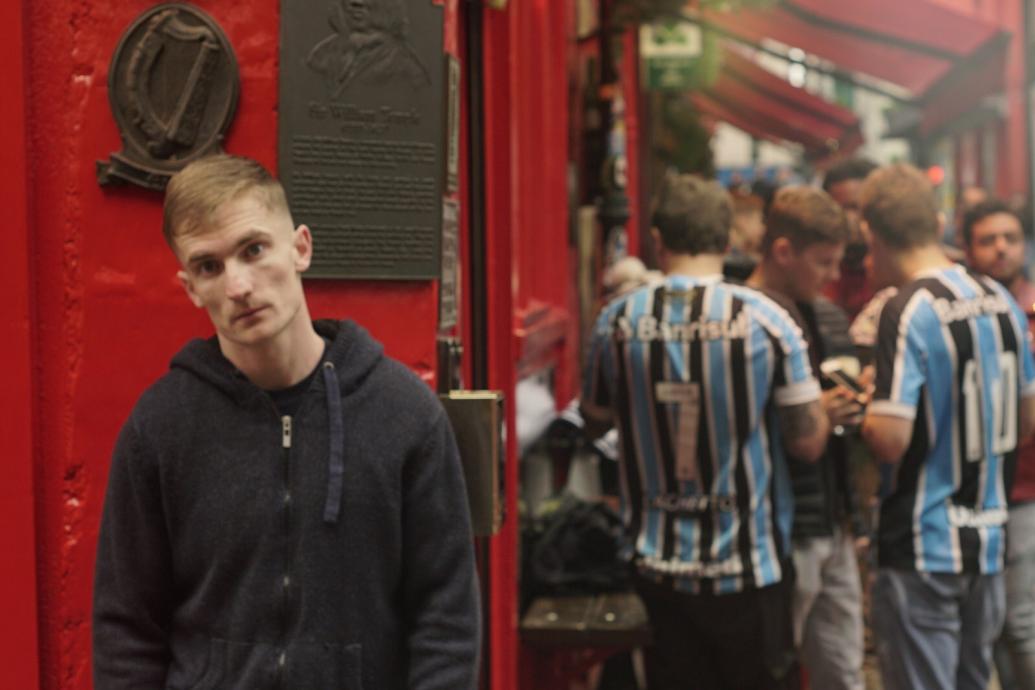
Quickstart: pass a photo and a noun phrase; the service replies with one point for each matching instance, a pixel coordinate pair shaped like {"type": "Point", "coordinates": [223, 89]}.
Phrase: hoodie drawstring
{"type": "Point", "coordinates": [336, 466]}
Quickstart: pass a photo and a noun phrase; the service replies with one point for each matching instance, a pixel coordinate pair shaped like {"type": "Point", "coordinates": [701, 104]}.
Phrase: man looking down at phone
{"type": "Point", "coordinates": [954, 395]}
{"type": "Point", "coordinates": [994, 242]}
{"type": "Point", "coordinates": [802, 249]}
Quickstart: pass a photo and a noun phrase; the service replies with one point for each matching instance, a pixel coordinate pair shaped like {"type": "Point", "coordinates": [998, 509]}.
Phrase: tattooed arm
{"type": "Point", "coordinates": [804, 429]}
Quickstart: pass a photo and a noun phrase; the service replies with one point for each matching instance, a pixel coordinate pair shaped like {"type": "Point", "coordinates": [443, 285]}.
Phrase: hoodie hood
{"type": "Point", "coordinates": [352, 350]}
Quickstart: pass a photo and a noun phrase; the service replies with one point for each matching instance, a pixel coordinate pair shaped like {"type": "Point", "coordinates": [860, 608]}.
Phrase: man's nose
{"type": "Point", "coordinates": [238, 282]}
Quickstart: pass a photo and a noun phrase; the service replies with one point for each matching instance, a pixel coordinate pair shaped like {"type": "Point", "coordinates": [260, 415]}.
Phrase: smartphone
{"type": "Point", "coordinates": [835, 373]}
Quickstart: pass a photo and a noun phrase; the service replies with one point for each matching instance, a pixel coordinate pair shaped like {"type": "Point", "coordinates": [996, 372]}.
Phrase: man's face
{"type": "Point", "coordinates": [811, 269]}
{"type": "Point", "coordinates": [997, 247]}
{"type": "Point", "coordinates": [359, 13]}
{"type": "Point", "coordinates": [244, 267]}
{"type": "Point", "coordinates": [846, 194]}
{"type": "Point", "coordinates": [750, 228]}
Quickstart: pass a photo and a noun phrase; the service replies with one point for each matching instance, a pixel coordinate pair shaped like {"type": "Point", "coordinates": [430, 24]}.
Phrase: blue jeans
{"type": "Point", "coordinates": [936, 630]}
{"type": "Point", "coordinates": [1015, 651]}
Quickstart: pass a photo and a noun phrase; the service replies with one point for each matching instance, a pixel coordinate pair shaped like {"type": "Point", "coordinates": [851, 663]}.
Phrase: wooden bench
{"type": "Point", "coordinates": [570, 635]}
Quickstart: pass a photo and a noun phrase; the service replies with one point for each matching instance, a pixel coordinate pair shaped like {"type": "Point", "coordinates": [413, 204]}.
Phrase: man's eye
{"type": "Point", "coordinates": [254, 250]}
{"type": "Point", "coordinates": [206, 268]}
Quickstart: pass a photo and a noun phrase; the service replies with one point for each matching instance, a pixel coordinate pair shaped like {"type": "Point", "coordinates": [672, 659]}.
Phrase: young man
{"type": "Point", "coordinates": [842, 182]}
{"type": "Point", "coordinates": [801, 252]}
{"type": "Point", "coordinates": [994, 243]}
{"type": "Point", "coordinates": [707, 383]}
{"type": "Point", "coordinates": [954, 394]}
{"type": "Point", "coordinates": [285, 507]}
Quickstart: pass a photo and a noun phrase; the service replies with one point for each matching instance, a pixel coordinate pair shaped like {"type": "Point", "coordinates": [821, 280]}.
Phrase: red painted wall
{"type": "Point", "coordinates": [108, 311]}
{"type": "Point", "coordinates": [18, 635]}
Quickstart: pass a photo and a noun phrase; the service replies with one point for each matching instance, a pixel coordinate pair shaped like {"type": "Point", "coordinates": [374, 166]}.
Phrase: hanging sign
{"type": "Point", "coordinates": [670, 51]}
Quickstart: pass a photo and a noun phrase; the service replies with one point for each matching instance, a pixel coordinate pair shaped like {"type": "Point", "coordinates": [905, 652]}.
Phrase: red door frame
{"type": "Point", "coordinates": [498, 131]}
{"type": "Point", "coordinates": [19, 634]}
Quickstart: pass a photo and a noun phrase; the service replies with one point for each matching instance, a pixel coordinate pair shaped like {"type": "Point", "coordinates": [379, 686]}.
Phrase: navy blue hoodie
{"type": "Point", "coordinates": [332, 549]}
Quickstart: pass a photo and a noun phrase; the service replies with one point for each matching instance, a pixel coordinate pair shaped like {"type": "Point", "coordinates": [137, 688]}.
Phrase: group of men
{"type": "Point", "coordinates": [737, 404]}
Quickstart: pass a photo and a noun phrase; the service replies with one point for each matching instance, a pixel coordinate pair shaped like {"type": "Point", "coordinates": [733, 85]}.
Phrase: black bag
{"type": "Point", "coordinates": [576, 548]}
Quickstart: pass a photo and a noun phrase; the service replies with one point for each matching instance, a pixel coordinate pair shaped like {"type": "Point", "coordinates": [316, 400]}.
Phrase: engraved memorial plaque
{"type": "Point", "coordinates": [449, 285]}
{"type": "Point", "coordinates": [452, 124]}
{"type": "Point", "coordinates": [361, 134]}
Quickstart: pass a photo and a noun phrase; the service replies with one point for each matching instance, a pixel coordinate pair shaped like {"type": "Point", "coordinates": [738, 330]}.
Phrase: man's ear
{"type": "Point", "coordinates": [782, 251]}
{"type": "Point", "coordinates": [303, 245]}
{"type": "Point", "coordinates": [188, 287]}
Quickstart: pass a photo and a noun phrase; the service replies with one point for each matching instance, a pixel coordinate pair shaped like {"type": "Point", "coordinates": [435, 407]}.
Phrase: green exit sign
{"type": "Point", "coordinates": [670, 51]}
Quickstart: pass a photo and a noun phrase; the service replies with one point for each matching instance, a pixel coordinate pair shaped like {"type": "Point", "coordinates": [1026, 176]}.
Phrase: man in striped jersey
{"type": "Point", "coordinates": [993, 239]}
{"type": "Point", "coordinates": [708, 383]}
{"type": "Point", "coordinates": [802, 249]}
{"type": "Point", "coordinates": [955, 392]}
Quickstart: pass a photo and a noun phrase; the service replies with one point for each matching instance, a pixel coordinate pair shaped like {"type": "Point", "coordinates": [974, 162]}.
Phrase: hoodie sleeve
{"type": "Point", "coordinates": [440, 589]}
{"type": "Point", "coordinates": [132, 582]}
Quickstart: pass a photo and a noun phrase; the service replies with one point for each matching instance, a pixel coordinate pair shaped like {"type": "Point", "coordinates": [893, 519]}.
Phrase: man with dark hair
{"type": "Point", "coordinates": [285, 507]}
{"type": "Point", "coordinates": [954, 395]}
{"type": "Point", "coordinates": [708, 383]}
{"type": "Point", "coordinates": [993, 240]}
{"type": "Point", "coordinates": [842, 182]}
{"type": "Point", "coordinates": [802, 249]}
{"type": "Point", "coordinates": [994, 243]}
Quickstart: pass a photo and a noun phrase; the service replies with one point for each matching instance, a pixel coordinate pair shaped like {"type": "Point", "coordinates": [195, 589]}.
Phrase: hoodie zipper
{"type": "Point", "coordinates": [286, 426]}
{"type": "Point", "coordinates": [285, 442]}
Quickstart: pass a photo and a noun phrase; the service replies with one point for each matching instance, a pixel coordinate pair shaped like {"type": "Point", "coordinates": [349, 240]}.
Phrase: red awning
{"type": "Point", "coordinates": [760, 103]}
{"type": "Point", "coordinates": [715, 111]}
{"type": "Point", "coordinates": [914, 43]}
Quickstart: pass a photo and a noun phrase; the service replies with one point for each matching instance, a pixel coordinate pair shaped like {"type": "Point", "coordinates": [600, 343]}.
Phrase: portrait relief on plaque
{"type": "Point", "coordinates": [369, 45]}
{"type": "Point", "coordinates": [361, 136]}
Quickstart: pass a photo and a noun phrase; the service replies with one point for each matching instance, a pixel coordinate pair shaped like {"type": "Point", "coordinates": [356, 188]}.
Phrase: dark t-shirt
{"type": "Point", "coordinates": [288, 399]}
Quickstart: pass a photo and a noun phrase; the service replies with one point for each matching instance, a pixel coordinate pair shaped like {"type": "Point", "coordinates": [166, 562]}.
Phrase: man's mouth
{"type": "Point", "coordinates": [246, 314]}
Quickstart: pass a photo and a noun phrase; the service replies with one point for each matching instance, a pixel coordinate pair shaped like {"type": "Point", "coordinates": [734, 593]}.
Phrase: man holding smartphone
{"type": "Point", "coordinates": [954, 396]}
{"type": "Point", "coordinates": [801, 253]}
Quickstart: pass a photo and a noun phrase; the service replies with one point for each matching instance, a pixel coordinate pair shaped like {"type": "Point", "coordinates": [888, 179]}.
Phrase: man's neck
{"type": "Point", "coordinates": [282, 361]}
{"type": "Point", "coordinates": [1022, 291]}
{"type": "Point", "coordinates": [910, 263]}
{"type": "Point", "coordinates": [768, 277]}
{"type": "Point", "coordinates": [696, 265]}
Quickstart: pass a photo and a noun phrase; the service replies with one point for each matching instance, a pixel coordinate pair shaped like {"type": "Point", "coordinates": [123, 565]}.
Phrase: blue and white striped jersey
{"type": "Point", "coordinates": [692, 369]}
{"type": "Point", "coordinates": [952, 355]}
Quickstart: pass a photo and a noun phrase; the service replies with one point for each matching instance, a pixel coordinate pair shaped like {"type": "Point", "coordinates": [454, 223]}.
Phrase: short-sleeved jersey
{"type": "Point", "coordinates": [953, 356]}
{"type": "Point", "coordinates": [692, 369]}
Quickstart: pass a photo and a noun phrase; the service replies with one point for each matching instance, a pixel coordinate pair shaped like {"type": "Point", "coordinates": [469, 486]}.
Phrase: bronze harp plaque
{"type": "Point", "coordinates": [361, 134]}
{"type": "Point", "coordinates": [173, 88]}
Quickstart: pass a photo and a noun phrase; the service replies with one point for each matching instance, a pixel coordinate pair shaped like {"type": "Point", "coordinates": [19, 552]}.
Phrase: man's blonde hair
{"type": "Point", "coordinates": [195, 193]}
{"type": "Point", "coordinates": [897, 202]}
